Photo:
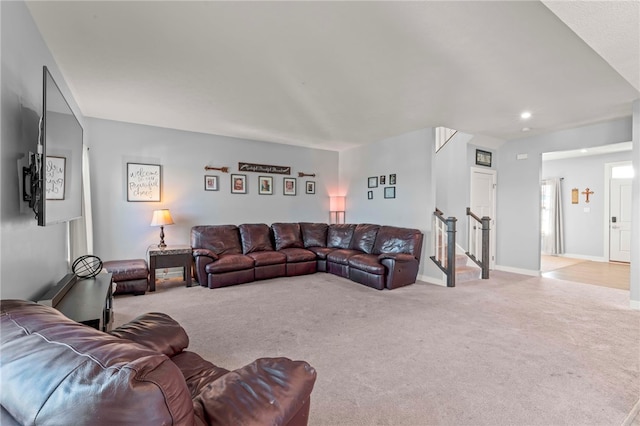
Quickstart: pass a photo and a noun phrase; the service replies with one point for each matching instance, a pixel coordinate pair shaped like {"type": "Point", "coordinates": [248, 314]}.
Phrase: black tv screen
{"type": "Point", "coordinates": [61, 169]}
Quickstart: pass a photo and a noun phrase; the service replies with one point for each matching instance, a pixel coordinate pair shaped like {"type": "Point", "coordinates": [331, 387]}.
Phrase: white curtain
{"type": "Point", "coordinates": [551, 217]}
{"type": "Point", "coordinates": [81, 230]}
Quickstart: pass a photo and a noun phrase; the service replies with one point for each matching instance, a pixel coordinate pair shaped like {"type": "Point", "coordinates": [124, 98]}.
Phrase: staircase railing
{"type": "Point", "coordinates": [479, 241]}
{"type": "Point", "coordinates": [445, 246]}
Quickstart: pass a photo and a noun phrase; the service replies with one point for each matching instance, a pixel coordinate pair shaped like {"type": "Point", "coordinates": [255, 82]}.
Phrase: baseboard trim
{"type": "Point", "coordinates": [431, 280]}
{"type": "Point", "coordinates": [584, 257]}
{"type": "Point", "coordinates": [520, 271]}
{"type": "Point", "coordinates": [634, 304]}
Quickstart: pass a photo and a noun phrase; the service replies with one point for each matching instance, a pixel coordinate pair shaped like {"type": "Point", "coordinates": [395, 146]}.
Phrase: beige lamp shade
{"type": "Point", "coordinates": [337, 203]}
{"type": "Point", "coordinates": [161, 218]}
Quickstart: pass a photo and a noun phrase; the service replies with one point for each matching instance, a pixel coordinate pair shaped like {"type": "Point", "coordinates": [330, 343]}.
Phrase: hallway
{"type": "Point", "coordinates": [606, 274]}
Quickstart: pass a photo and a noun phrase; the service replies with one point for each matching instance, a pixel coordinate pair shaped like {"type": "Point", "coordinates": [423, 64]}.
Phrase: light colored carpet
{"type": "Point", "coordinates": [513, 350]}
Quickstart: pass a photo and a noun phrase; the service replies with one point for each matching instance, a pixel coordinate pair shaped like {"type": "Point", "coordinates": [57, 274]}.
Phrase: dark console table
{"type": "Point", "coordinates": [88, 301]}
{"type": "Point", "coordinates": [169, 257]}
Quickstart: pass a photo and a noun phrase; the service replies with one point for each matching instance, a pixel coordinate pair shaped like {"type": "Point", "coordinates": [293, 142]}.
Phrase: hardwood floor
{"type": "Point", "coordinates": [607, 274]}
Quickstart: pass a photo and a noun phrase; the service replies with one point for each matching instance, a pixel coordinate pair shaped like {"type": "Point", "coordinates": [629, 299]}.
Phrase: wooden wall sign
{"type": "Point", "coordinates": [264, 168]}
{"type": "Point", "coordinates": [574, 196]}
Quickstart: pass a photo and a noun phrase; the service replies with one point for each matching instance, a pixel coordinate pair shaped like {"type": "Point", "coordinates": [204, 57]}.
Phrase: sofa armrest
{"type": "Point", "coordinates": [269, 391]}
{"type": "Point", "coordinates": [398, 257]}
{"type": "Point", "coordinates": [155, 331]}
{"type": "Point", "coordinates": [204, 252]}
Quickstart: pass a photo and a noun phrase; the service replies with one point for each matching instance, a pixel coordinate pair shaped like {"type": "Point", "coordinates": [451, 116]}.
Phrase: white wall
{"type": "Point", "coordinates": [32, 258]}
{"type": "Point", "coordinates": [410, 157]}
{"type": "Point", "coordinates": [634, 278]}
{"type": "Point", "coordinates": [518, 195]}
{"type": "Point", "coordinates": [121, 228]}
{"type": "Point", "coordinates": [584, 232]}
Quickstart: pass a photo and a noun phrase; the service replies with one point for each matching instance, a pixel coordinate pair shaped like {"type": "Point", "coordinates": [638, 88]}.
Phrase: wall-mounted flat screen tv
{"type": "Point", "coordinates": [61, 167]}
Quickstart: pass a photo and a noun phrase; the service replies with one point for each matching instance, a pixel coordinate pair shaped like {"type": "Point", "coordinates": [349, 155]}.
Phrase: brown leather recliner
{"type": "Point", "coordinates": [57, 371]}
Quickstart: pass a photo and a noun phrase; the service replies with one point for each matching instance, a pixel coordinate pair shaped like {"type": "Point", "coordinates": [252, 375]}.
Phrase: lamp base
{"type": "Point", "coordinates": [162, 244]}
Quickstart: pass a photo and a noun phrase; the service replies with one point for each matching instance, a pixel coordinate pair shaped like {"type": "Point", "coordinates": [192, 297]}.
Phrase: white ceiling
{"type": "Point", "coordinates": [335, 75]}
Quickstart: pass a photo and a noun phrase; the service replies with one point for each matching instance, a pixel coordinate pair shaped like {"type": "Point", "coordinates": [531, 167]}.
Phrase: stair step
{"type": "Point", "coordinates": [468, 273]}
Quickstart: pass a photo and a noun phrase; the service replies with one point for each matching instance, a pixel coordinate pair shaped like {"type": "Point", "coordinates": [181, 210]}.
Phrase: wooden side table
{"type": "Point", "coordinates": [169, 257]}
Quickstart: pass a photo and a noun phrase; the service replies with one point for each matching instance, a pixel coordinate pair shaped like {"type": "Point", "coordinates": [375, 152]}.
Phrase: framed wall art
{"type": "Point", "coordinates": [310, 187]}
{"type": "Point", "coordinates": [392, 179]}
{"type": "Point", "coordinates": [372, 182]}
{"type": "Point", "coordinates": [383, 179]}
{"type": "Point", "coordinates": [369, 195]}
{"type": "Point", "coordinates": [483, 158]}
{"type": "Point", "coordinates": [265, 185]}
{"type": "Point", "coordinates": [289, 186]}
{"type": "Point", "coordinates": [55, 169]}
{"type": "Point", "coordinates": [389, 192]}
{"type": "Point", "coordinates": [238, 184]}
{"type": "Point", "coordinates": [211, 183]}
{"type": "Point", "coordinates": [143, 182]}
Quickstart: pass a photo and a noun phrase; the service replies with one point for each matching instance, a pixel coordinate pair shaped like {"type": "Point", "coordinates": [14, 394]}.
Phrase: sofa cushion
{"type": "Point", "coordinates": [340, 235]}
{"type": "Point", "coordinates": [197, 372]}
{"type": "Point", "coordinates": [391, 239]}
{"type": "Point", "coordinates": [364, 236]}
{"type": "Point", "coordinates": [341, 256]}
{"type": "Point", "coordinates": [367, 263]}
{"type": "Point", "coordinates": [314, 234]}
{"type": "Point", "coordinates": [156, 331]}
{"type": "Point", "coordinates": [298, 255]}
{"type": "Point", "coordinates": [255, 237]}
{"type": "Point", "coordinates": [228, 263]}
{"type": "Point", "coordinates": [220, 239]}
{"type": "Point", "coordinates": [321, 252]}
{"type": "Point", "coordinates": [262, 258]}
{"type": "Point", "coordinates": [287, 235]}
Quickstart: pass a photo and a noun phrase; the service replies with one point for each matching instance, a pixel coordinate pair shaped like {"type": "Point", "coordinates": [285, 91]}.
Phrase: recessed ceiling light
{"type": "Point", "coordinates": [525, 115]}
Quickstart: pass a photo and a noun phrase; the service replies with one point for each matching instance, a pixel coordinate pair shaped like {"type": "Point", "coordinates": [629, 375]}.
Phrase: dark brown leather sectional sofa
{"type": "Point", "coordinates": [57, 371]}
{"type": "Point", "coordinates": [376, 256]}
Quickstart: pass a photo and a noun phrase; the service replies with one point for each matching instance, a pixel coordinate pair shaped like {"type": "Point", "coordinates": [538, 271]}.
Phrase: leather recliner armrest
{"type": "Point", "coordinates": [269, 391]}
{"type": "Point", "coordinates": [398, 257]}
{"type": "Point", "coordinates": [205, 252]}
{"type": "Point", "coordinates": [156, 331]}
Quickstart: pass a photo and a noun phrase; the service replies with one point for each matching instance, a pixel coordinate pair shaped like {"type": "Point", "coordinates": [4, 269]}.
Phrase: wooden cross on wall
{"type": "Point", "coordinates": [587, 192]}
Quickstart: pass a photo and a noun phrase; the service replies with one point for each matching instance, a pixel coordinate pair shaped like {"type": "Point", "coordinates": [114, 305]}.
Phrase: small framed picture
{"type": "Point", "coordinates": [265, 185]}
{"type": "Point", "coordinates": [211, 183]}
{"type": "Point", "coordinates": [289, 186]}
{"type": "Point", "coordinates": [310, 187]}
{"type": "Point", "coordinates": [369, 195]}
{"type": "Point", "coordinates": [238, 184]}
{"type": "Point", "coordinates": [372, 182]}
{"type": "Point", "coordinates": [383, 180]}
{"type": "Point", "coordinates": [392, 179]}
{"type": "Point", "coordinates": [483, 158]}
{"type": "Point", "coordinates": [389, 192]}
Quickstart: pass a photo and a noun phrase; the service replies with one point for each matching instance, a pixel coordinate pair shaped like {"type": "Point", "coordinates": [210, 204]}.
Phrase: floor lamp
{"type": "Point", "coordinates": [337, 208]}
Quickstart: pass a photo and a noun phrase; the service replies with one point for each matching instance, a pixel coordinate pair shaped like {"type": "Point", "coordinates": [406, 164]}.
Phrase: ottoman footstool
{"type": "Point", "coordinates": [129, 276]}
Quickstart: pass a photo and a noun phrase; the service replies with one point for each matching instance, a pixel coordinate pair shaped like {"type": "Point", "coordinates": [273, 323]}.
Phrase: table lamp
{"type": "Point", "coordinates": [161, 218]}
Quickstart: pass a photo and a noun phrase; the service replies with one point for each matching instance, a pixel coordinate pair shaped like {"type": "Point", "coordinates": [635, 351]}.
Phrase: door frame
{"type": "Point", "coordinates": [493, 223]}
{"type": "Point", "coordinates": [607, 205]}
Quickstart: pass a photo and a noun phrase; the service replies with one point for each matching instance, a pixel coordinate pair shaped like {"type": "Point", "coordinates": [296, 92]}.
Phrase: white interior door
{"type": "Point", "coordinates": [620, 220]}
{"type": "Point", "coordinates": [483, 203]}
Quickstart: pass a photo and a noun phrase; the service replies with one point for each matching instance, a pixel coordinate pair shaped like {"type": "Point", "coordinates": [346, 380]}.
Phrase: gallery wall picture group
{"type": "Point", "coordinates": [389, 191]}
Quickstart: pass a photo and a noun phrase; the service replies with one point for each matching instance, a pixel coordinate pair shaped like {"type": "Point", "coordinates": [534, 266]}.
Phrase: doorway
{"type": "Point", "coordinates": [483, 203]}
{"type": "Point", "coordinates": [618, 221]}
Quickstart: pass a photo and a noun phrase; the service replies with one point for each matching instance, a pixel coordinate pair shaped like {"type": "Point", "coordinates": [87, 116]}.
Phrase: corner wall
{"type": "Point", "coordinates": [32, 258]}
{"type": "Point", "coordinates": [408, 156]}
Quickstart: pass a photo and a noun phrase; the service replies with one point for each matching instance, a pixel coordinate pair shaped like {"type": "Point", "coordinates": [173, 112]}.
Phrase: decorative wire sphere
{"type": "Point", "coordinates": [87, 266]}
